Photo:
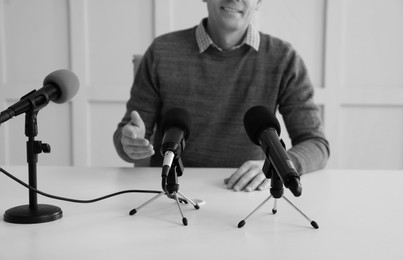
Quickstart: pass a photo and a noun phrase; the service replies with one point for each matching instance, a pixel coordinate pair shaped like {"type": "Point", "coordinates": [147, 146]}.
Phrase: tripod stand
{"type": "Point", "coordinates": [276, 191]}
{"type": "Point", "coordinates": [34, 212]}
{"type": "Point", "coordinates": [170, 188]}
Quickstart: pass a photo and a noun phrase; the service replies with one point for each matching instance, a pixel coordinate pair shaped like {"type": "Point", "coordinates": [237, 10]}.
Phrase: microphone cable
{"type": "Point", "coordinates": [73, 200]}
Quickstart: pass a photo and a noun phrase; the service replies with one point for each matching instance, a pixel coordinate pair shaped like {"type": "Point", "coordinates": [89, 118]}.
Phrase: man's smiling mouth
{"type": "Point", "coordinates": [231, 10]}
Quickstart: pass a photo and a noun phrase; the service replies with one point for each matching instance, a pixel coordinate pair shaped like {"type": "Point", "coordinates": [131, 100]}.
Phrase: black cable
{"type": "Point", "coordinates": [73, 200]}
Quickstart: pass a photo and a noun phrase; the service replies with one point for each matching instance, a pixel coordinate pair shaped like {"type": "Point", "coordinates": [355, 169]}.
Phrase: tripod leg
{"type": "Point", "coordinates": [243, 222]}
{"type": "Point", "coordinates": [313, 223]}
{"type": "Point", "coordinates": [195, 205]}
{"type": "Point", "coordinates": [184, 220]}
{"type": "Point", "coordinates": [274, 210]}
{"type": "Point", "coordinates": [134, 211]}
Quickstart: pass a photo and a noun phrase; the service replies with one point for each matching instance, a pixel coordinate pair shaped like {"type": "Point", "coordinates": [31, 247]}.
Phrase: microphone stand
{"type": "Point", "coordinates": [34, 212]}
{"type": "Point", "coordinates": [276, 191]}
{"type": "Point", "coordinates": [170, 188]}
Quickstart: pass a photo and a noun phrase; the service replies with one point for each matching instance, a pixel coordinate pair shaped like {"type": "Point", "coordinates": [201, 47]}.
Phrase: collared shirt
{"type": "Point", "coordinates": [252, 38]}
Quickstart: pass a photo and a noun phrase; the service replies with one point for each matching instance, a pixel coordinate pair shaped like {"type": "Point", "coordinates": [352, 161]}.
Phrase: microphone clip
{"type": "Point", "coordinates": [170, 179]}
{"type": "Point", "coordinates": [276, 187]}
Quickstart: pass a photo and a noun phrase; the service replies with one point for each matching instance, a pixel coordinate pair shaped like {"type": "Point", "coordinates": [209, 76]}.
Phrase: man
{"type": "Point", "coordinates": [217, 71]}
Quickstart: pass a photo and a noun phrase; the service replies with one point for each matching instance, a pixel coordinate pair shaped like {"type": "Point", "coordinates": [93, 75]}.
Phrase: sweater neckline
{"type": "Point", "coordinates": [228, 54]}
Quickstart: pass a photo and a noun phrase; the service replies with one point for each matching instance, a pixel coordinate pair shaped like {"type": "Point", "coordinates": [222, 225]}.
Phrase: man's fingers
{"type": "Point", "coordinates": [140, 153]}
{"type": "Point", "coordinates": [248, 177]}
{"type": "Point", "coordinates": [136, 150]}
{"type": "Point", "coordinates": [245, 180]}
{"type": "Point", "coordinates": [237, 175]}
{"type": "Point", "coordinates": [256, 182]}
{"type": "Point", "coordinates": [265, 185]}
{"type": "Point", "coordinates": [130, 139]}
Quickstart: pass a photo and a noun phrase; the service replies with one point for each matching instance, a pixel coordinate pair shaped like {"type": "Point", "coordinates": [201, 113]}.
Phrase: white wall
{"type": "Point", "coordinates": [352, 49]}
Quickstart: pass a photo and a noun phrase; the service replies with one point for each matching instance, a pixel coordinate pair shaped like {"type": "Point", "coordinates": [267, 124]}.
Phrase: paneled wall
{"type": "Point", "coordinates": [352, 49]}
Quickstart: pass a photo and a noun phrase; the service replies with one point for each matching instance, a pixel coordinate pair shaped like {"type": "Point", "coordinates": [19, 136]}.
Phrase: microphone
{"type": "Point", "coordinates": [59, 87]}
{"type": "Point", "coordinates": [175, 127]}
{"type": "Point", "coordinates": [263, 129]}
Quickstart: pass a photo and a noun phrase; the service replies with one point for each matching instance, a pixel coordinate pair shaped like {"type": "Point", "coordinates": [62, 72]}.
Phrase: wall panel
{"type": "Point", "coordinates": [373, 44]}
{"type": "Point", "coordinates": [101, 129]}
{"type": "Point", "coordinates": [371, 96]}
{"type": "Point", "coordinates": [302, 23]}
{"type": "Point", "coordinates": [196, 11]}
{"type": "Point", "coordinates": [36, 41]}
{"type": "Point", "coordinates": [371, 137]}
{"type": "Point", "coordinates": [115, 32]}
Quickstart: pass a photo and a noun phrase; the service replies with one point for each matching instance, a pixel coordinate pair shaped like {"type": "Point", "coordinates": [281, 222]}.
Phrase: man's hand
{"type": "Point", "coordinates": [248, 177]}
{"type": "Point", "coordinates": [133, 141]}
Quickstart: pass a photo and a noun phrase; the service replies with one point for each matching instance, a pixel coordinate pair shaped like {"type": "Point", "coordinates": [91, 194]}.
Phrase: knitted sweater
{"type": "Point", "coordinates": [217, 88]}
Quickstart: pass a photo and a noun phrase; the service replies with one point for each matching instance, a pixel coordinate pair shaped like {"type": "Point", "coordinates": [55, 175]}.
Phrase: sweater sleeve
{"type": "Point", "coordinates": [310, 149]}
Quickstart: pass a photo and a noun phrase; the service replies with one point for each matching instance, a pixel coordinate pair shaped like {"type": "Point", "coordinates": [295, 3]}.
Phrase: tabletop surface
{"type": "Point", "coordinates": [359, 214]}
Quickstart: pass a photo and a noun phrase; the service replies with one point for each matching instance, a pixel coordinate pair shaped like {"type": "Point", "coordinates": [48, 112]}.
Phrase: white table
{"type": "Point", "coordinates": [359, 213]}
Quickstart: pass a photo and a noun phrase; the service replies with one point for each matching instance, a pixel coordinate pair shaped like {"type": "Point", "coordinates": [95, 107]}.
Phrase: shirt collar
{"type": "Point", "coordinates": [204, 41]}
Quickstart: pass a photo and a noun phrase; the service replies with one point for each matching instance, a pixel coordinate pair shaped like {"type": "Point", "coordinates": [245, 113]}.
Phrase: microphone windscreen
{"type": "Point", "coordinates": [177, 117]}
{"type": "Point", "coordinates": [66, 81]}
{"type": "Point", "coordinates": [258, 119]}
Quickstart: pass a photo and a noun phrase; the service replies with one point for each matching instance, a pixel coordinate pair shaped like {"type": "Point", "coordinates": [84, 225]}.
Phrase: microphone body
{"type": "Point", "coordinates": [36, 99]}
{"type": "Point", "coordinates": [175, 127]}
{"type": "Point", "coordinates": [263, 129]}
{"type": "Point", "coordinates": [173, 144]}
{"type": "Point", "coordinates": [278, 157]}
{"type": "Point", "coordinates": [59, 87]}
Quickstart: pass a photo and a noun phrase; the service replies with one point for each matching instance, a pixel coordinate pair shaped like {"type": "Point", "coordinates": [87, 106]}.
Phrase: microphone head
{"type": "Point", "coordinates": [256, 120]}
{"type": "Point", "coordinates": [66, 81]}
{"type": "Point", "coordinates": [177, 117]}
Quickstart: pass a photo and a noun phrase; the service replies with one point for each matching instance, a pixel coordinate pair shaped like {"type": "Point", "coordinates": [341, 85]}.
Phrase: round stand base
{"type": "Point", "coordinates": [25, 215]}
